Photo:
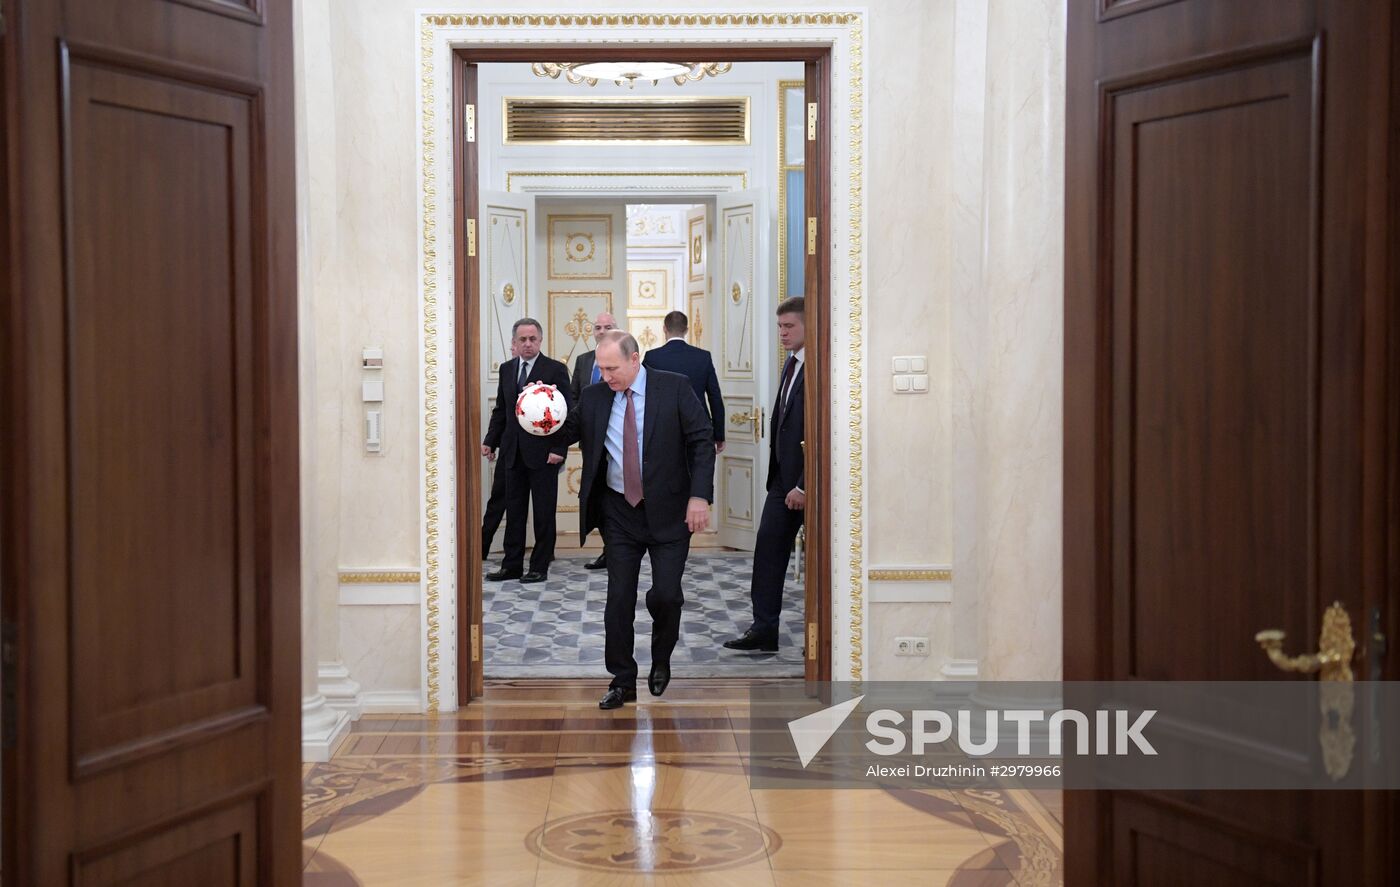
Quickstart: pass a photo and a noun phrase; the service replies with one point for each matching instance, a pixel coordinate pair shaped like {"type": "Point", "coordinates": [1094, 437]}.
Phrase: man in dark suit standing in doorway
{"type": "Point", "coordinates": [586, 373]}
{"type": "Point", "coordinates": [531, 463]}
{"type": "Point", "coordinates": [787, 499]}
{"type": "Point", "coordinates": [648, 481]}
{"type": "Point", "coordinates": [679, 356]}
{"type": "Point", "coordinates": [495, 510]}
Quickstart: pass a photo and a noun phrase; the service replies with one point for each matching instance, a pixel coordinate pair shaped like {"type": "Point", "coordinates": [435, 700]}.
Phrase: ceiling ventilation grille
{"type": "Point", "coordinates": [709, 120]}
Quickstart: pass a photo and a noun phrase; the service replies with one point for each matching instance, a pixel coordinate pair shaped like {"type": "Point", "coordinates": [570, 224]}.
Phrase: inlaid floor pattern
{"type": "Point", "coordinates": [533, 785]}
{"type": "Point", "coordinates": [555, 628]}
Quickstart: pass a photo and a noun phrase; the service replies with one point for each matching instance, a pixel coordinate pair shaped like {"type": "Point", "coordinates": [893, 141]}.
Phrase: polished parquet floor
{"type": "Point", "coordinates": [534, 785]}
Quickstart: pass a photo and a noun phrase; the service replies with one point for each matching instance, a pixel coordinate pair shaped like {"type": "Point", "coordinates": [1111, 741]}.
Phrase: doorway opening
{"type": "Point", "coordinates": [720, 233]}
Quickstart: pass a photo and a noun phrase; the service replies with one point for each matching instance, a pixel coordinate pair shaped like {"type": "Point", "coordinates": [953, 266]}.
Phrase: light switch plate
{"type": "Point", "coordinates": [901, 364]}
{"type": "Point", "coordinates": [372, 391]}
{"type": "Point", "coordinates": [920, 383]}
{"type": "Point", "coordinates": [901, 384]}
{"type": "Point", "coordinates": [918, 364]}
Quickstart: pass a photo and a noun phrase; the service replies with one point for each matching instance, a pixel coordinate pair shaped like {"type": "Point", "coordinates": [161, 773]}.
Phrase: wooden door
{"type": "Point", "coordinates": [148, 477]}
{"type": "Point", "coordinates": [1228, 464]}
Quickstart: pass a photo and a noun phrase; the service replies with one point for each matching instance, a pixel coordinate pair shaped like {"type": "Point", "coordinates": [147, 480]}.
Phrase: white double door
{"type": "Point", "coordinates": [563, 263]}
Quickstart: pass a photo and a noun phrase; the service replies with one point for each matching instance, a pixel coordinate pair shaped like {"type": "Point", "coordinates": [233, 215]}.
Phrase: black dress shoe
{"type": "Point", "coordinates": [598, 563]}
{"type": "Point", "coordinates": [503, 575]}
{"type": "Point", "coordinates": [751, 641]}
{"type": "Point", "coordinates": [658, 679]}
{"type": "Point", "coordinates": [615, 697]}
{"type": "Point", "coordinates": [534, 576]}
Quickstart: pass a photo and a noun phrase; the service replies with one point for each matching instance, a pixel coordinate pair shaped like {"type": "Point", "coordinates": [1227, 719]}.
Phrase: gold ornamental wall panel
{"type": "Point", "coordinates": [695, 311]}
{"type": "Point", "coordinates": [580, 247]}
{"type": "Point", "coordinates": [647, 329]}
{"type": "Point", "coordinates": [648, 288]}
{"type": "Point", "coordinates": [695, 250]}
{"type": "Point", "coordinates": [569, 322]}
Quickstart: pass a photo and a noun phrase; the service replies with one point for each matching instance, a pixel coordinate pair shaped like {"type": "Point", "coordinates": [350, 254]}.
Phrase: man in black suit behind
{"type": "Point", "coordinates": [586, 373]}
{"type": "Point", "coordinates": [585, 367]}
{"type": "Point", "coordinates": [679, 356]}
{"type": "Point", "coordinates": [531, 463]}
{"type": "Point", "coordinates": [648, 481]}
{"type": "Point", "coordinates": [783, 509]}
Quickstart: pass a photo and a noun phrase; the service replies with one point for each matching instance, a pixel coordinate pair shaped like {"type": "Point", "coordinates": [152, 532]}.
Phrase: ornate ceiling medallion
{"type": "Point", "coordinates": [628, 73]}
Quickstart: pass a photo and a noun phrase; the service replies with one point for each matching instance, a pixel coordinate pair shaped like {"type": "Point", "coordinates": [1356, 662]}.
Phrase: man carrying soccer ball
{"type": "Point", "coordinates": [530, 461]}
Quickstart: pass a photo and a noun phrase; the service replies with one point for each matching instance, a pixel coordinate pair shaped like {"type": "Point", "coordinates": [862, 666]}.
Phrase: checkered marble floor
{"type": "Point", "coordinates": [555, 628]}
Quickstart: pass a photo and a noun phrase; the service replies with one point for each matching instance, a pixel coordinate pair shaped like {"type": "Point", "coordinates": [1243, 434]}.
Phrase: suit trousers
{"type": "Point", "coordinates": [495, 507]}
{"type": "Point", "coordinates": [777, 531]}
{"type": "Point", "coordinates": [524, 486]}
{"type": "Point", "coordinates": [629, 537]}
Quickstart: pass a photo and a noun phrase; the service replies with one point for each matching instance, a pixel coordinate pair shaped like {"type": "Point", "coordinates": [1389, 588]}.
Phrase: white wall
{"type": "Point", "coordinates": [964, 118]}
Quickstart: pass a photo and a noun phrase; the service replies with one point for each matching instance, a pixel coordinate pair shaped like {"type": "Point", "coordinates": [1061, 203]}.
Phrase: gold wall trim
{"type": "Point", "coordinates": [856, 299]}
{"type": "Point", "coordinates": [511, 176]}
{"type": "Point", "coordinates": [431, 442]}
{"type": "Point", "coordinates": [853, 234]}
{"type": "Point", "coordinates": [911, 575]}
{"type": "Point", "coordinates": [380, 577]}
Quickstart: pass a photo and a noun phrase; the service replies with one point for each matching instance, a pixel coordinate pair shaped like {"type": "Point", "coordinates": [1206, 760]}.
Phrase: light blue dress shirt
{"type": "Point", "coordinates": [595, 376]}
{"type": "Point", "coordinates": [615, 421]}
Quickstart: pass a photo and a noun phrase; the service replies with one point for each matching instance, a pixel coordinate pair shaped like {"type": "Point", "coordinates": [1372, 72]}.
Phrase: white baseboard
{"type": "Point", "coordinates": [382, 702]}
{"type": "Point", "coordinates": [323, 729]}
{"type": "Point", "coordinates": [342, 693]}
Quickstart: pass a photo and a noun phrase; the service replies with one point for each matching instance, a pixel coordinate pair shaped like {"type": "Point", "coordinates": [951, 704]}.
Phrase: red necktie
{"type": "Point", "coordinates": [631, 455]}
{"type": "Point", "coordinates": [788, 372]}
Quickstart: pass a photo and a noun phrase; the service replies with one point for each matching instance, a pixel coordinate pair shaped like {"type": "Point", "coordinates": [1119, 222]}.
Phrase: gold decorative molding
{"type": "Point", "coordinates": [382, 577]}
{"type": "Point", "coordinates": [853, 131]}
{"type": "Point", "coordinates": [855, 301]}
{"type": "Point", "coordinates": [644, 20]}
{"type": "Point", "coordinates": [431, 530]}
{"type": "Point", "coordinates": [911, 575]}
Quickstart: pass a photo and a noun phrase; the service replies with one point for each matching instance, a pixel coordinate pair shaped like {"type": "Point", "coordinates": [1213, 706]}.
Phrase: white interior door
{"type": "Point", "coordinates": [745, 302]}
{"type": "Point", "coordinates": [507, 226]}
{"type": "Point", "coordinates": [582, 272]}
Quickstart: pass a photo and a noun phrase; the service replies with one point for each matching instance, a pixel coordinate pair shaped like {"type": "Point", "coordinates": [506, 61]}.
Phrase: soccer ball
{"type": "Point", "coordinates": [541, 409]}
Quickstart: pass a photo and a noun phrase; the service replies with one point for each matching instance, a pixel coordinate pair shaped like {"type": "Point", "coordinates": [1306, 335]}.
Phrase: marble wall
{"type": "Point", "coordinates": [964, 168]}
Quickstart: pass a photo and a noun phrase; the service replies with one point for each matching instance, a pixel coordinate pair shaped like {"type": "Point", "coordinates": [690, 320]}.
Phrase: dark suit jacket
{"type": "Point", "coordinates": [504, 432]}
{"type": "Point", "coordinates": [583, 374]}
{"type": "Point", "coordinates": [678, 453]}
{"type": "Point", "coordinates": [785, 465]}
{"type": "Point", "coordinates": [695, 364]}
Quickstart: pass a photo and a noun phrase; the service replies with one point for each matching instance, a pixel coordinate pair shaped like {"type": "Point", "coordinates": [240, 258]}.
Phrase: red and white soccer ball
{"type": "Point", "coordinates": [541, 409]}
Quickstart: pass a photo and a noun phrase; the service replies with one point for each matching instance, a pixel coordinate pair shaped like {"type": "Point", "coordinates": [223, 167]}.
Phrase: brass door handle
{"type": "Point", "coordinates": [754, 419]}
{"type": "Point", "coordinates": [1335, 648]}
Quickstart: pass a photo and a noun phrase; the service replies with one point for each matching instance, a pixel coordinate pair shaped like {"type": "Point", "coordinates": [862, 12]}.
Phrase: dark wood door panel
{"type": "Point", "coordinates": [1169, 845]}
{"type": "Point", "coordinates": [1215, 368]}
{"type": "Point", "coordinates": [213, 848]}
{"type": "Point", "coordinates": [149, 530]}
{"type": "Point", "coordinates": [160, 376]}
{"type": "Point", "coordinates": [1228, 297]}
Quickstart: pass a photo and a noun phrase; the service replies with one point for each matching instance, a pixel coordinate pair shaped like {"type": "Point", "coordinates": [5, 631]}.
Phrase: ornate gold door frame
{"type": "Point", "coordinates": [838, 39]}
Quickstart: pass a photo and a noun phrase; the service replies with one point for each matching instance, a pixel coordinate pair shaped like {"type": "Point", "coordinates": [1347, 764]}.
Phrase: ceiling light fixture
{"type": "Point", "coordinates": [628, 73]}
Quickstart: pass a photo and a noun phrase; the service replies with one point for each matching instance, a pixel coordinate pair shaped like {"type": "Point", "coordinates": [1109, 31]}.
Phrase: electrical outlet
{"type": "Point", "coordinates": [907, 646]}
